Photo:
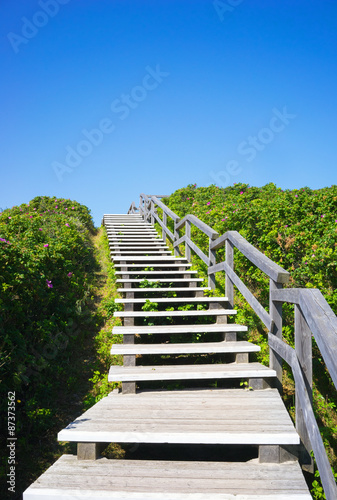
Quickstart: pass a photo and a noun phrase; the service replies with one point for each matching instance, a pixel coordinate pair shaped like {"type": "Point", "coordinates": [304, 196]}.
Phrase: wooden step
{"type": "Point", "coordinates": [152, 265]}
{"type": "Point", "coordinates": [174, 329]}
{"type": "Point", "coordinates": [154, 258]}
{"type": "Point", "coordinates": [189, 372]}
{"type": "Point", "coordinates": [191, 348]}
{"type": "Point", "coordinates": [138, 252]}
{"type": "Point", "coordinates": [213, 416]}
{"type": "Point", "coordinates": [149, 273]}
{"type": "Point", "coordinates": [177, 300]}
{"type": "Point", "coordinates": [174, 314]}
{"type": "Point", "coordinates": [159, 280]}
{"type": "Point", "coordinates": [163, 290]}
{"type": "Point", "coordinates": [71, 479]}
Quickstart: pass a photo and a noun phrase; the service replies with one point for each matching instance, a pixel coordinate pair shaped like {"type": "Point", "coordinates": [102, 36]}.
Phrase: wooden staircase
{"type": "Point", "coordinates": [225, 406]}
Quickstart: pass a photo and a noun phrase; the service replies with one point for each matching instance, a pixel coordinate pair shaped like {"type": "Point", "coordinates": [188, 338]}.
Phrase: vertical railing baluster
{"type": "Point", "coordinates": [165, 224]}
{"type": "Point", "coordinates": [188, 235]}
{"type": "Point", "coordinates": [229, 287]}
{"type": "Point", "coordinates": [275, 312]}
{"type": "Point", "coordinates": [212, 262]}
{"type": "Point", "coordinates": [176, 238]}
{"type": "Point", "coordinates": [303, 348]}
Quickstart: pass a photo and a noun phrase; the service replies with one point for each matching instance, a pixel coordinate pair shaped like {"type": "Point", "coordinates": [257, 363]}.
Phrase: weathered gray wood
{"type": "Point", "coordinates": [274, 271]}
{"type": "Point", "coordinates": [164, 480]}
{"type": "Point", "coordinates": [210, 327]}
{"type": "Point", "coordinates": [252, 301]}
{"type": "Point", "coordinates": [89, 451]}
{"type": "Point", "coordinates": [165, 209]}
{"type": "Point", "coordinates": [230, 263]}
{"type": "Point", "coordinates": [164, 231]}
{"type": "Point", "coordinates": [176, 313]}
{"type": "Point", "coordinates": [303, 348]}
{"type": "Point", "coordinates": [188, 237]}
{"type": "Point", "coordinates": [178, 300]}
{"type": "Point", "coordinates": [163, 226]}
{"type": "Point", "coordinates": [205, 228]}
{"type": "Point", "coordinates": [212, 261]}
{"type": "Point", "coordinates": [202, 417]}
{"type": "Point", "coordinates": [189, 372]}
{"type": "Point", "coordinates": [195, 249]}
{"type": "Point", "coordinates": [275, 328]}
{"type": "Point", "coordinates": [166, 289]}
{"type": "Point", "coordinates": [242, 348]}
{"type": "Point", "coordinates": [289, 355]}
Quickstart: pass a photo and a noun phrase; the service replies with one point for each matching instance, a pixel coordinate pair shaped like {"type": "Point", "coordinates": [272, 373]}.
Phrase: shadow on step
{"type": "Point", "coordinates": [202, 453]}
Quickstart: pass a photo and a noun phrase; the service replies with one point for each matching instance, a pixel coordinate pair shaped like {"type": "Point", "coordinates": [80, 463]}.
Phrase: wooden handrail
{"type": "Point", "coordinates": [313, 315]}
{"type": "Point", "coordinates": [274, 271]}
{"type": "Point", "coordinates": [320, 318]}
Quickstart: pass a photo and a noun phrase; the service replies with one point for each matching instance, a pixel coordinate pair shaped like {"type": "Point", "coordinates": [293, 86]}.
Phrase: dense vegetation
{"type": "Point", "coordinates": [56, 287]}
{"type": "Point", "coordinates": [296, 229]}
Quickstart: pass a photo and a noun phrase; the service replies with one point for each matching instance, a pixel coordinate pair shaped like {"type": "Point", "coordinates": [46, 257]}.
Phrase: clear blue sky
{"type": "Point", "coordinates": [104, 99]}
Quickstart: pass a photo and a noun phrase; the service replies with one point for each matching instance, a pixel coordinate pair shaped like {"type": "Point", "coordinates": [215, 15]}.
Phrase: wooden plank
{"type": "Point", "coordinates": [106, 420]}
{"type": "Point", "coordinates": [213, 327]}
{"type": "Point", "coordinates": [205, 347]}
{"type": "Point", "coordinates": [151, 273]}
{"type": "Point", "coordinates": [165, 209]}
{"type": "Point", "coordinates": [163, 226]}
{"type": "Point", "coordinates": [164, 289]}
{"type": "Point", "coordinates": [178, 300]}
{"type": "Point", "coordinates": [160, 280]}
{"type": "Point", "coordinates": [205, 228]}
{"type": "Point", "coordinates": [153, 258]}
{"type": "Point", "coordinates": [289, 355]}
{"type": "Point", "coordinates": [163, 265]}
{"type": "Point", "coordinates": [274, 271]}
{"type": "Point", "coordinates": [163, 314]}
{"type": "Point", "coordinates": [164, 480]}
{"type": "Point", "coordinates": [252, 301]}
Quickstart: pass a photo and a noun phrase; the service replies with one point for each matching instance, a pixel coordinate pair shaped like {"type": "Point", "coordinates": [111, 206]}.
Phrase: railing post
{"type": "Point", "coordinates": [152, 210]}
{"type": "Point", "coordinates": [188, 235]}
{"type": "Point", "coordinates": [212, 262]}
{"type": "Point", "coordinates": [229, 287]}
{"type": "Point", "coordinates": [176, 238]}
{"type": "Point", "coordinates": [165, 224]}
{"type": "Point", "coordinates": [275, 312]}
{"type": "Point", "coordinates": [303, 348]}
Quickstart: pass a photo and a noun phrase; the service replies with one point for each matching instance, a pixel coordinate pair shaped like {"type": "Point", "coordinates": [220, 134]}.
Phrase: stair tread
{"type": "Point", "coordinates": [162, 329]}
{"type": "Point", "coordinates": [169, 480]}
{"type": "Point", "coordinates": [153, 265]}
{"type": "Point", "coordinates": [189, 372]}
{"type": "Point", "coordinates": [172, 299]}
{"type": "Point", "coordinates": [181, 348]}
{"type": "Point", "coordinates": [156, 272]}
{"type": "Point", "coordinates": [164, 289]}
{"type": "Point", "coordinates": [163, 314]}
{"type": "Point", "coordinates": [203, 417]}
{"type": "Point", "coordinates": [149, 258]}
{"type": "Point", "coordinates": [160, 280]}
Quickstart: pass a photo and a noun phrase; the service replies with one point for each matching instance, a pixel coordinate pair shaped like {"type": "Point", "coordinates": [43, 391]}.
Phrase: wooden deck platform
{"type": "Point", "coordinates": [218, 416]}
{"type": "Point", "coordinates": [101, 479]}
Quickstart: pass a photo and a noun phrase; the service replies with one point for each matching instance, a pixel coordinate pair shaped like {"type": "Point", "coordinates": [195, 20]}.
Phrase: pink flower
{"type": "Point", "coordinates": [67, 224]}
{"type": "Point", "coordinates": [73, 208]}
{"type": "Point", "coordinates": [40, 228]}
{"type": "Point", "coordinates": [46, 245]}
{"type": "Point", "coordinates": [30, 216]}
{"type": "Point", "coordinates": [296, 195]}
{"type": "Point", "coordinates": [56, 206]}
{"type": "Point", "coordinates": [223, 219]}
{"type": "Point", "coordinates": [49, 284]}
{"type": "Point", "coordinates": [286, 225]}
{"type": "Point", "coordinates": [34, 208]}
{"type": "Point", "coordinates": [241, 192]}
{"type": "Point", "coordinates": [9, 217]}
{"type": "Point", "coordinates": [208, 203]}
{"type": "Point", "coordinates": [69, 274]}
